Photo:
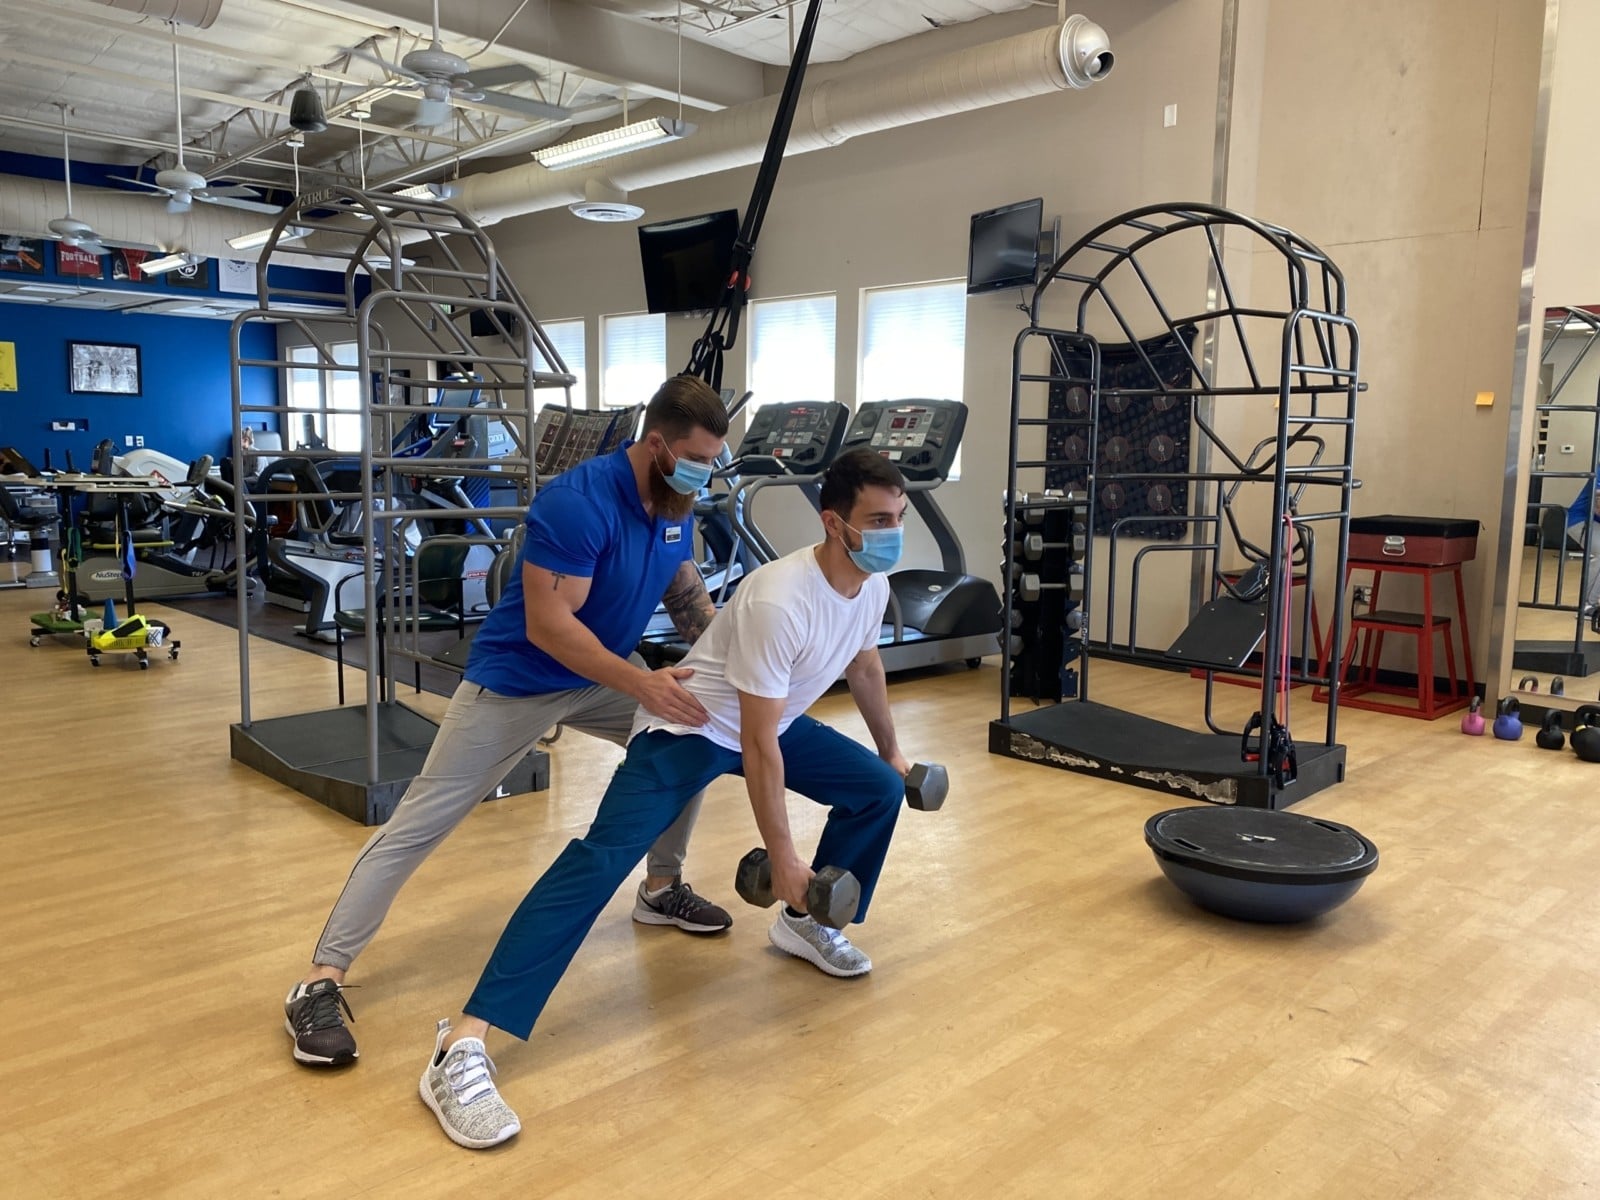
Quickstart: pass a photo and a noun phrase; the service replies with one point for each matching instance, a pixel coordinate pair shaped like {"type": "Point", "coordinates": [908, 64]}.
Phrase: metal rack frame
{"type": "Point", "coordinates": [1580, 657]}
{"type": "Point", "coordinates": [1306, 334]}
{"type": "Point", "coordinates": [426, 263]}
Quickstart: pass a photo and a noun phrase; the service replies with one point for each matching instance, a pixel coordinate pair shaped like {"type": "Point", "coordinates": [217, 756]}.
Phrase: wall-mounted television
{"type": "Point", "coordinates": [686, 261]}
{"type": "Point", "coordinates": [482, 323]}
{"type": "Point", "coordinates": [1004, 248]}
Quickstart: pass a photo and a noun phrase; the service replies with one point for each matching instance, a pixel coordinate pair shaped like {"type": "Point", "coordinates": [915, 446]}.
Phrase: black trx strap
{"type": "Point", "coordinates": [722, 329]}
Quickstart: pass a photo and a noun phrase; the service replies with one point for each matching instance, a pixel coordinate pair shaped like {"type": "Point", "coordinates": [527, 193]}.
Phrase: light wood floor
{"type": "Point", "coordinates": [1047, 1017]}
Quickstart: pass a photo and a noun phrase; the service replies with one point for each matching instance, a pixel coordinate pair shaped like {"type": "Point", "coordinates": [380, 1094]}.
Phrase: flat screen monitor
{"type": "Point", "coordinates": [1004, 250]}
{"type": "Point", "coordinates": [483, 323]}
{"type": "Point", "coordinates": [686, 261]}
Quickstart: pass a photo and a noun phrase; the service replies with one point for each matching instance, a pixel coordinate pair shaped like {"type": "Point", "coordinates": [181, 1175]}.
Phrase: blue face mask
{"type": "Point", "coordinates": [880, 548]}
{"type": "Point", "coordinates": [687, 477]}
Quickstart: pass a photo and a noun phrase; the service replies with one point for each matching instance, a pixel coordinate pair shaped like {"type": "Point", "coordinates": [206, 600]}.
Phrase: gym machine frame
{"type": "Point", "coordinates": [1317, 350]}
{"type": "Point", "coordinates": [426, 263]}
{"type": "Point", "coordinates": [1581, 657]}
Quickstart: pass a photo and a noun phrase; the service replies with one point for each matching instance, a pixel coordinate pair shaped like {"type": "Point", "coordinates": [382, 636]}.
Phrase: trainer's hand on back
{"type": "Point", "coordinates": [663, 696]}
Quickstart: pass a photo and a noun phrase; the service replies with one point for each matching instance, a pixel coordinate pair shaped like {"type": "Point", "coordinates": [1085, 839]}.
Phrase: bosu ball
{"type": "Point", "coordinates": [1260, 864]}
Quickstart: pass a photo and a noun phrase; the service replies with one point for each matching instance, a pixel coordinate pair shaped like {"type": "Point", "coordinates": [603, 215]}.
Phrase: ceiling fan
{"type": "Point", "coordinates": [442, 78]}
{"type": "Point", "coordinates": [183, 187]}
{"type": "Point", "coordinates": [68, 230]}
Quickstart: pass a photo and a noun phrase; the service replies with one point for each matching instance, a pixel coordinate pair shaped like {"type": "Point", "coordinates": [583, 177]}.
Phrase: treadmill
{"type": "Point", "coordinates": [785, 445]}
{"type": "Point", "coordinates": [934, 616]}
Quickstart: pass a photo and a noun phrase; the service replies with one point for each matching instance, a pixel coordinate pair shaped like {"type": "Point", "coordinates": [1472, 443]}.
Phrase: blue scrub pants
{"type": "Point", "coordinates": [661, 774]}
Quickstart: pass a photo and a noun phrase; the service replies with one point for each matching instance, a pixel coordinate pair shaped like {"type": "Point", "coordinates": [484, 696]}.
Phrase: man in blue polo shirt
{"type": "Point", "coordinates": [604, 543]}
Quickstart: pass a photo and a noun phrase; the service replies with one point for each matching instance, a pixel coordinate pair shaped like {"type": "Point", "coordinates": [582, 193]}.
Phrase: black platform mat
{"type": "Point", "coordinates": [1109, 742]}
{"type": "Point", "coordinates": [277, 624]}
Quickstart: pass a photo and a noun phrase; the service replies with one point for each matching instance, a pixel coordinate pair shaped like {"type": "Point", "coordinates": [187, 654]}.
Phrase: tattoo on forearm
{"type": "Point", "coordinates": [558, 577]}
{"type": "Point", "coordinates": [688, 605]}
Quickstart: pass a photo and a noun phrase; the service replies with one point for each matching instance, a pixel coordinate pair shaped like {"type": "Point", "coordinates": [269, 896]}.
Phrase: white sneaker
{"type": "Point", "coordinates": [825, 948]}
{"type": "Point", "coordinates": [459, 1088]}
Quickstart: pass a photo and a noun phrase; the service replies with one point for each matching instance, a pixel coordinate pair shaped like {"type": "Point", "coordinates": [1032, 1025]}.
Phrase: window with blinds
{"type": "Point", "coordinates": [633, 358]}
{"type": "Point", "coordinates": [328, 404]}
{"type": "Point", "coordinates": [791, 350]}
{"type": "Point", "coordinates": [568, 339]}
{"type": "Point", "coordinates": [913, 344]}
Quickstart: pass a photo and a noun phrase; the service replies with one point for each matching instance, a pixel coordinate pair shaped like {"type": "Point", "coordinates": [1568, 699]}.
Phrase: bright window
{"type": "Point", "coordinates": [791, 350]}
{"type": "Point", "coordinates": [328, 404]}
{"type": "Point", "coordinates": [913, 344]}
{"type": "Point", "coordinates": [568, 339]}
{"type": "Point", "coordinates": [633, 358]}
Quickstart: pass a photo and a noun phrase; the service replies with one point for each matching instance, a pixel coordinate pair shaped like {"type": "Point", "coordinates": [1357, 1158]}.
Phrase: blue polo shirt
{"type": "Point", "coordinates": [588, 523]}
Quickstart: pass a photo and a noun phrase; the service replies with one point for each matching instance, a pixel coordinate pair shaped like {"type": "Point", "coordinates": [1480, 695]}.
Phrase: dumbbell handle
{"type": "Point", "coordinates": [1032, 587]}
{"type": "Point", "coordinates": [841, 884]}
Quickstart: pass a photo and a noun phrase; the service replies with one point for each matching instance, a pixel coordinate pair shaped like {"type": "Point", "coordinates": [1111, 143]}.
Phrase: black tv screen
{"type": "Point", "coordinates": [686, 261]}
{"type": "Point", "coordinates": [1004, 250]}
{"type": "Point", "coordinates": [482, 323]}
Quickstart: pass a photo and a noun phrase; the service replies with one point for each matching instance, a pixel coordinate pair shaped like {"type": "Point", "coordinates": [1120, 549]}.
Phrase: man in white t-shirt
{"type": "Point", "coordinates": [792, 629]}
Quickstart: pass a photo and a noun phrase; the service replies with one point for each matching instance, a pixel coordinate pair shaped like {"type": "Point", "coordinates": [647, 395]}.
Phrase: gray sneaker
{"type": "Point", "coordinates": [824, 948]}
{"type": "Point", "coordinates": [680, 905]}
{"type": "Point", "coordinates": [459, 1087]}
{"type": "Point", "coordinates": [312, 1016]}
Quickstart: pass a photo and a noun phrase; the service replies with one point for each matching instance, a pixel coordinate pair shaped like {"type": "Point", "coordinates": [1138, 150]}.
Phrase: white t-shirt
{"type": "Point", "coordinates": [787, 633]}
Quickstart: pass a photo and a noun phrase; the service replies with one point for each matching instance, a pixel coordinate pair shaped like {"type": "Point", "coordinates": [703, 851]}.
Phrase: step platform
{"type": "Point", "coordinates": [324, 755]}
{"type": "Point", "coordinates": [1096, 739]}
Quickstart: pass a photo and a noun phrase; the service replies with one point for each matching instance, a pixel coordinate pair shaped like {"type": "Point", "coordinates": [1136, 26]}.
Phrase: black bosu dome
{"type": "Point", "coordinates": [1259, 864]}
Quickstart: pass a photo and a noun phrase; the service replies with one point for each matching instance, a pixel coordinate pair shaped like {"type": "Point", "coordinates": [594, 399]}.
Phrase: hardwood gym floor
{"type": "Point", "coordinates": [1047, 1017]}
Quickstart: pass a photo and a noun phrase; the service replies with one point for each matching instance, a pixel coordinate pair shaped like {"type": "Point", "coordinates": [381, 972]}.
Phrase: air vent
{"type": "Point", "coordinates": [605, 210]}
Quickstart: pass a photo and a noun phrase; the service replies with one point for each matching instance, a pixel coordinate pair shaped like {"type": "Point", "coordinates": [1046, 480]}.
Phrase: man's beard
{"type": "Point", "coordinates": [668, 503]}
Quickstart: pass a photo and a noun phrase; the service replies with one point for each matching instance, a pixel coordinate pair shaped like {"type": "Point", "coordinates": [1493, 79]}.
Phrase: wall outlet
{"type": "Point", "coordinates": [1169, 116]}
{"type": "Point", "coordinates": [138, 439]}
{"type": "Point", "coordinates": [1567, 449]}
{"type": "Point", "coordinates": [127, 441]}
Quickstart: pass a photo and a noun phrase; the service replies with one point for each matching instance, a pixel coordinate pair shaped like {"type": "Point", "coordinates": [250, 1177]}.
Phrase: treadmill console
{"type": "Point", "coordinates": [563, 437]}
{"type": "Point", "coordinates": [920, 437]}
{"type": "Point", "coordinates": [802, 436]}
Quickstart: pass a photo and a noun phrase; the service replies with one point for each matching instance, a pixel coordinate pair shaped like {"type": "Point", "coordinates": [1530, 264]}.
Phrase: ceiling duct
{"type": "Point", "coordinates": [1057, 58]}
{"type": "Point", "coordinates": [199, 13]}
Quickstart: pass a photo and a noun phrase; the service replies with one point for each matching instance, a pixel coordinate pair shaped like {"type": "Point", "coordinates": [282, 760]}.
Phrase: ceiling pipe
{"type": "Point", "coordinates": [199, 13]}
{"type": "Point", "coordinates": [1072, 55]}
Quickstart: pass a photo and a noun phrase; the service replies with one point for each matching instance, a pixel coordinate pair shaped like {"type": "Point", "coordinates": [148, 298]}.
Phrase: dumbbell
{"type": "Point", "coordinates": [832, 896]}
{"type": "Point", "coordinates": [927, 784]}
{"type": "Point", "coordinates": [1034, 545]}
{"type": "Point", "coordinates": [1031, 587]}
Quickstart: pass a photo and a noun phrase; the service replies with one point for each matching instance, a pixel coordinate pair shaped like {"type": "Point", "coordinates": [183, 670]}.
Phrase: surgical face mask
{"type": "Point", "coordinates": [880, 548]}
{"type": "Point", "coordinates": [687, 477]}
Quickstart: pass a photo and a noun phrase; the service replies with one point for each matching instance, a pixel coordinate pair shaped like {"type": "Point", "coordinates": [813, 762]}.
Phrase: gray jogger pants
{"type": "Point", "coordinates": [483, 735]}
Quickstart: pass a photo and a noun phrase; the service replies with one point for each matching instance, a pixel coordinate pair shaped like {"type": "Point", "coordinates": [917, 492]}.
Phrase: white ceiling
{"type": "Point", "coordinates": [114, 68]}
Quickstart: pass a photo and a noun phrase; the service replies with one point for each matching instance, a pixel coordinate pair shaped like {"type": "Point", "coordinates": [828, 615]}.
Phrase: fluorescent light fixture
{"type": "Point", "coordinates": [612, 142]}
{"type": "Point", "coordinates": [171, 262]}
{"type": "Point", "coordinates": [250, 241]}
{"type": "Point", "coordinates": [428, 191]}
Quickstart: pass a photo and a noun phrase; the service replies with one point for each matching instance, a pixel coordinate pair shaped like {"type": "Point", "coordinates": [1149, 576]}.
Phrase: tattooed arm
{"type": "Point", "coordinates": [550, 603]}
{"type": "Point", "coordinates": [688, 603]}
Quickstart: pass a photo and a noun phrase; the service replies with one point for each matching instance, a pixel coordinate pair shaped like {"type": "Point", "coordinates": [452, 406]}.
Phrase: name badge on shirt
{"type": "Point", "coordinates": [672, 533]}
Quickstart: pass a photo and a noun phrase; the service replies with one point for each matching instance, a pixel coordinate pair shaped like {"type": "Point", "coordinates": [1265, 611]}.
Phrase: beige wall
{"type": "Point", "coordinates": [893, 208]}
{"type": "Point", "coordinates": [1395, 136]}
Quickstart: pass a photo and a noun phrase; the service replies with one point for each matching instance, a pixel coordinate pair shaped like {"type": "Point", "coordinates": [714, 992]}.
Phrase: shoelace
{"type": "Point", "coordinates": [680, 901]}
{"type": "Point", "coordinates": [469, 1074]}
{"type": "Point", "coordinates": [321, 1010]}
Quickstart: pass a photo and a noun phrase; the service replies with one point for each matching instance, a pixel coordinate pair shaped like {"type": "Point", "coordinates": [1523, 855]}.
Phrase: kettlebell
{"type": "Point", "coordinates": [1528, 683]}
{"type": "Point", "coordinates": [1558, 686]}
{"type": "Point", "coordinates": [1586, 733]}
{"type": "Point", "coordinates": [1472, 719]}
{"type": "Point", "coordinates": [1550, 736]}
{"type": "Point", "coordinates": [1508, 724]}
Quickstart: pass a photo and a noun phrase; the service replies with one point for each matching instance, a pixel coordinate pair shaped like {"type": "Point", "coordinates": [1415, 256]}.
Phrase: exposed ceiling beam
{"type": "Point", "coordinates": [587, 41]}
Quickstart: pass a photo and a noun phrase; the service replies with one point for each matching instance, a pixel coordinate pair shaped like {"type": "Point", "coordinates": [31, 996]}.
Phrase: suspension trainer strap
{"type": "Point", "coordinates": [722, 328]}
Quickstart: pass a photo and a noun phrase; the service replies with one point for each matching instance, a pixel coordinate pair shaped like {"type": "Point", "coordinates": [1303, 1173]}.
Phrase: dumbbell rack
{"type": "Point", "coordinates": [1301, 351]}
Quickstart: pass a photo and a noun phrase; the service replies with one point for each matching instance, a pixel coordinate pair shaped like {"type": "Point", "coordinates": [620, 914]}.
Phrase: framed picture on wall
{"type": "Point", "coordinates": [103, 368]}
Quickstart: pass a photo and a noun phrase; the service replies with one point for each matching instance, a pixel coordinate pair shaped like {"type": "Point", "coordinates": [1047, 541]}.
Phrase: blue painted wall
{"type": "Point", "coordinates": [187, 402]}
